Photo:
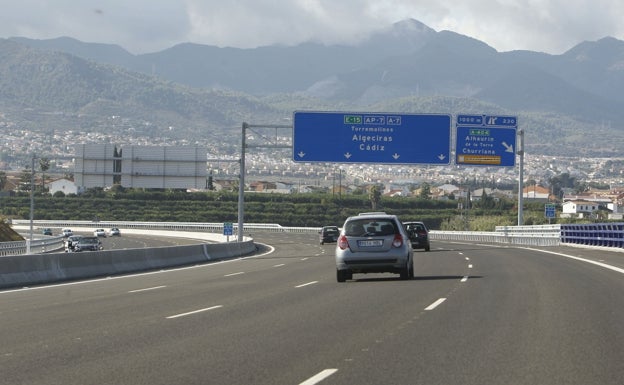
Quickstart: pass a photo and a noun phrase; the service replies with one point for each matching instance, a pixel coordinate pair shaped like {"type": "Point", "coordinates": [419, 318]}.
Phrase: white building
{"type": "Point", "coordinates": [103, 165]}
{"type": "Point", "coordinates": [579, 209]}
{"type": "Point", "coordinates": [65, 185]}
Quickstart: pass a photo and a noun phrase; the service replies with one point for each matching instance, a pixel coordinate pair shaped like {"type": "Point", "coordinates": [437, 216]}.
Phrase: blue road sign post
{"type": "Point", "coordinates": [358, 137]}
{"type": "Point", "coordinates": [486, 140]}
{"type": "Point", "coordinates": [549, 210]}
{"type": "Point", "coordinates": [228, 229]}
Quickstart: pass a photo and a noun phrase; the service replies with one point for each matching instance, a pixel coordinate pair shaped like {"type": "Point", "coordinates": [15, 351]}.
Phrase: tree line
{"type": "Point", "coordinates": [292, 210]}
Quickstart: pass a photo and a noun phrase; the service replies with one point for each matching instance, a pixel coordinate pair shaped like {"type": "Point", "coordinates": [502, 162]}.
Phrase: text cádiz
{"type": "Point", "coordinates": [372, 138]}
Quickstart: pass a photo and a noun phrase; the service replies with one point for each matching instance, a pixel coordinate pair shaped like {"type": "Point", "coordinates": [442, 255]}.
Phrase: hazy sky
{"type": "Point", "coordinates": [141, 26]}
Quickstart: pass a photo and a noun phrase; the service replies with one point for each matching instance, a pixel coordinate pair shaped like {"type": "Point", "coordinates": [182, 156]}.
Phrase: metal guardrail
{"type": "Point", "coordinates": [597, 234]}
{"type": "Point", "coordinates": [516, 238]}
{"type": "Point", "coordinates": [594, 234]}
{"type": "Point", "coordinates": [37, 246]}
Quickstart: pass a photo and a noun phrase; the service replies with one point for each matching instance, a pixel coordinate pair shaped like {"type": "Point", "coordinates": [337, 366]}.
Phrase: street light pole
{"type": "Point", "coordinates": [520, 180]}
{"type": "Point", "coordinates": [32, 203]}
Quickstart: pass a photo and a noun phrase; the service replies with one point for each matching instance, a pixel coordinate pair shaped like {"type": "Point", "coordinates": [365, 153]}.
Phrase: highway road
{"type": "Point", "coordinates": [474, 314]}
{"type": "Point", "coordinates": [138, 241]}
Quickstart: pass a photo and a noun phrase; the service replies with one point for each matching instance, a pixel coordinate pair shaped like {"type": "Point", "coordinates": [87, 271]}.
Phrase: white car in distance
{"type": "Point", "coordinates": [99, 233]}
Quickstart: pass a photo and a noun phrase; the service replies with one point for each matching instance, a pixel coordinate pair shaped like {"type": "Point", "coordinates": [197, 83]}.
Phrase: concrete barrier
{"type": "Point", "coordinates": [35, 269]}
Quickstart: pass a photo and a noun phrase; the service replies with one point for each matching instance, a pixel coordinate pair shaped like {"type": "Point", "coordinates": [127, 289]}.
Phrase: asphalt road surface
{"type": "Point", "coordinates": [474, 314]}
{"type": "Point", "coordinates": [138, 241]}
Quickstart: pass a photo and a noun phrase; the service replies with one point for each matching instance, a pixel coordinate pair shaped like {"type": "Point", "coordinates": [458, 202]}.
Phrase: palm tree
{"type": "Point", "coordinates": [44, 164]}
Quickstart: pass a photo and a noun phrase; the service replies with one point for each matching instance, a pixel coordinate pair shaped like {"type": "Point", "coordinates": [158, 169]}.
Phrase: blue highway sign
{"type": "Point", "coordinates": [486, 140]}
{"type": "Point", "coordinates": [550, 210]}
{"type": "Point", "coordinates": [228, 228]}
{"type": "Point", "coordinates": [380, 137]}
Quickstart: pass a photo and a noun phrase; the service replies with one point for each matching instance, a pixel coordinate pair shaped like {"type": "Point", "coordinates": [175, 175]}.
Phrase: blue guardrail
{"type": "Point", "coordinates": [594, 234]}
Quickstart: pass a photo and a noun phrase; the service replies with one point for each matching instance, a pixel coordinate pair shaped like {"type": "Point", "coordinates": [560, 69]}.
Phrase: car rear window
{"type": "Point", "coordinates": [416, 226]}
{"type": "Point", "coordinates": [370, 226]}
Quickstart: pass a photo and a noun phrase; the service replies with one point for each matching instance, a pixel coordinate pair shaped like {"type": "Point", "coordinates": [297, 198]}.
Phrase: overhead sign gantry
{"type": "Point", "coordinates": [356, 137]}
{"type": "Point", "coordinates": [486, 140]}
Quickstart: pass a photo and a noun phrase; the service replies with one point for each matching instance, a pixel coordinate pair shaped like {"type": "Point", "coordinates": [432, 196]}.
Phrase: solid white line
{"type": "Point", "coordinates": [280, 265]}
{"type": "Point", "coordinates": [435, 304]}
{"type": "Point", "coordinates": [464, 279]}
{"type": "Point", "coordinates": [319, 377]}
{"type": "Point", "coordinates": [194, 312]}
{"type": "Point", "coordinates": [146, 289]}
{"type": "Point", "coordinates": [306, 284]}
{"type": "Point", "coordinates": [233, 274]}
{"type": "Point", "coordinates": [619, 270]}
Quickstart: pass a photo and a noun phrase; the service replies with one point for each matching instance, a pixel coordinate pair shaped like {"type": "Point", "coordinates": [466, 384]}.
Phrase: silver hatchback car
{"type": "Point", "coordinates": [373, 243]}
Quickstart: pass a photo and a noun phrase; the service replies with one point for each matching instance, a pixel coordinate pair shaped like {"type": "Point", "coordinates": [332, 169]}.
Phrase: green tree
{"type": "Point", "coordinates": [559, 182]}
{"type": "Point", "coordinates": [25, 179]}
{"type": "Point", "coordinates": [425, 191]}
{"type": "Point", "coordinates": [374, 195]}
{"type": "Point", "coordinates": [3, 180]}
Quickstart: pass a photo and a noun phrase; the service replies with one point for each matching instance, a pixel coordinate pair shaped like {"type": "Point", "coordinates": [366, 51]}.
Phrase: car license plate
{"type": "Point", "coordinates": [370, 243]}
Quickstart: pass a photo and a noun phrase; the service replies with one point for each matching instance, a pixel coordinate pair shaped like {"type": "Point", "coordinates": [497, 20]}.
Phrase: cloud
{"type": "Point", "coordinates": [151, 25]}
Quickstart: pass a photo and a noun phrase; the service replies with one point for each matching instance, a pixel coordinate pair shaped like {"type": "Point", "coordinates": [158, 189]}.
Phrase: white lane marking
{"type": "Point", "coordinates": [467, 259]}
{"type": "Point", "coordinates": [464, 279]}
{"type": "Point", "coordinates": [306, 284]}
{"type": "Point", "coordinates": [619, 270]}
{"type": "Point", "coordinates": [233, 274]}
{"type": "Point", "coordinates": [280, 265]}
{"type": "Point", "coordinates": [146, 289]}
{"type": "Point", "coordinates": [304, 259]}
{"type": "Point", "coordinates": [435, 304]}
{"type": "Point", "coordinates": [470, 266]}
{"type": "Point", "coordinates": [604, 265]}
{"type": "Point", "coordinates": [194, 312]}
{"type": "Point", "coordinates": [319, 377]}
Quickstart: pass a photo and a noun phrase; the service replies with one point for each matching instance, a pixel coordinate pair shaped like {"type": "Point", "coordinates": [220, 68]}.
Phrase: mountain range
{"type": "Point", "coordinates": [566, 103]}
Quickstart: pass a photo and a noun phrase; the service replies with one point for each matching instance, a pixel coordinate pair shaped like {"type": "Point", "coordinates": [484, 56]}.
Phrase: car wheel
{"type": "Point", "coordinates": [411, 273]}
{"type": "Point", "coordinates": [407, 272]}
{"type": "Point", "coordinates": [341, 275]}
{"type": "Point", "coordinates": [427, 248]}
{"type": "Point", "coordinates": [322, 242]}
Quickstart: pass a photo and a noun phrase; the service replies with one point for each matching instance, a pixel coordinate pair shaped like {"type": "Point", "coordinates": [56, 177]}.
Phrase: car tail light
{"type": "Point", "coordinates": [343, 243]}
{"type": "Point", "coordinates": [397, 241]}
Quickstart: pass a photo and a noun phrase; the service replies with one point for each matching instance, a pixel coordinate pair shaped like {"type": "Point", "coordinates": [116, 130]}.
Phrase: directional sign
{"type": "Point", "coordinates": [228, 228]}
{"type": "Point", "coordinates": [549, 210]}
{"type": "Point", "coordinates": [363, 137]}
{"type": "Point", "coordinates": [486, 140]}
